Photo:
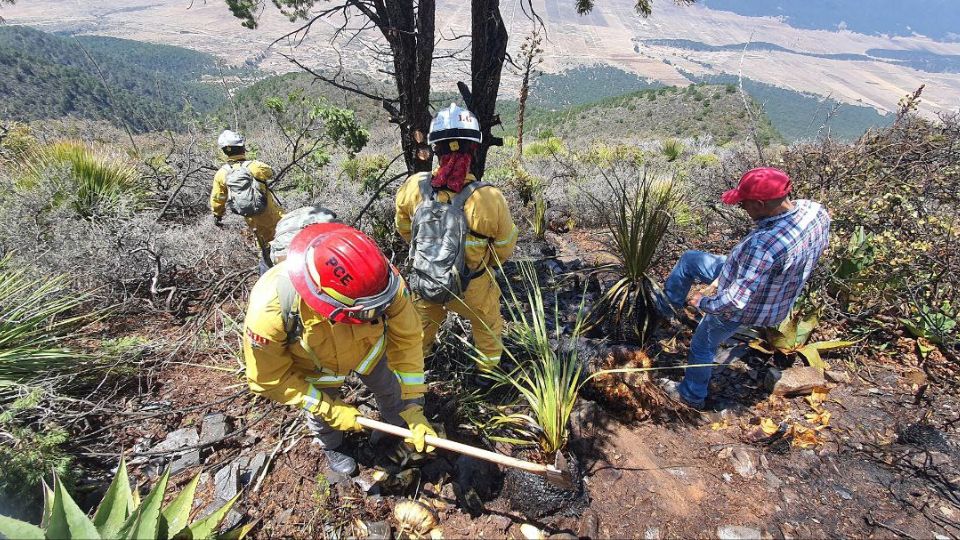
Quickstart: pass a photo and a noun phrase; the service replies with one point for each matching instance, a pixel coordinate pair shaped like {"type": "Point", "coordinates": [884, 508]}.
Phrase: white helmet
{"type": "Point", "coordinates": [230, 138]}
{"type": "Point", "coordinates": [454, 123]}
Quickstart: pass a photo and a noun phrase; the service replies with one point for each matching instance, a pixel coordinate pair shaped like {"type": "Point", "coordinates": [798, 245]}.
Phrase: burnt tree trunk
{"type": "Point", "coordinates": [489, 50]}
{"type": "Point", "coordinates": [408, 27]}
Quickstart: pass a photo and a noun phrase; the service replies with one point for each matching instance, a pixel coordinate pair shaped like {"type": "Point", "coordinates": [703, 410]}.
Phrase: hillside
{"type": "Point", "coordinates": [696, 111]}
{"type": "Point", "coordinates": [796, 115]}
{"type": "Point", "coordinates": [148, 87]}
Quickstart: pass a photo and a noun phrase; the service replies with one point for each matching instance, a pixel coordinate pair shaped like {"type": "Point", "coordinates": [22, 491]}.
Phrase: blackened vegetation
{"type": "Point", "coordinates": [535, 497]}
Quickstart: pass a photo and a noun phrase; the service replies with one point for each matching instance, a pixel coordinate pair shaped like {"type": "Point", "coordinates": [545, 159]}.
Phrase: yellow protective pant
{"type": "Point", "coordinates": [481, 306]}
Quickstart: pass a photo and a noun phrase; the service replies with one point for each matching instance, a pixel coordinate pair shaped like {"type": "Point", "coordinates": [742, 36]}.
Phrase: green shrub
{"type": "Point", "coordinates": [544, 147]}
{"type": "Point", "coordinates": [91, 183]}
{"type": "Point", "coordinates": [671, 149]}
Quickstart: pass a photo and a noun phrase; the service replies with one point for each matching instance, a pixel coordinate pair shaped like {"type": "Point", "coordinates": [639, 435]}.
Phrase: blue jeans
{"type": "Point", "coordinates": [700, 267]}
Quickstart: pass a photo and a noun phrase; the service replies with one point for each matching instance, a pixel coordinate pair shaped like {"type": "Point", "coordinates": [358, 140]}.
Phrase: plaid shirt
{"type": "Point", "coordinates": [763, 276]}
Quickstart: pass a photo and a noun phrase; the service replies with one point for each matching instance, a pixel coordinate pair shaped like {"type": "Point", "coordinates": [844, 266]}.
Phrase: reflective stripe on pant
{"type": "Point", "coordinates": [481, 306]}
{"type": "Point", "coordinates": [385, 387]}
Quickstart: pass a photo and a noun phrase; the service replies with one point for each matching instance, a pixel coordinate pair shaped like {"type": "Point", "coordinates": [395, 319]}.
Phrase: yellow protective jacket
{"type": "Point", "coordinates": [326, 352]}
{"type": "Point", "coordinates": [264, 224]}
{"type": "Point", "coordinates": [487, 215]}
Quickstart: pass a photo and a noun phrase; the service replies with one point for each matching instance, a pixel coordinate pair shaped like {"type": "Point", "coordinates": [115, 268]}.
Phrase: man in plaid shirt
{"type": "Point", "coordinates": [758, 282]}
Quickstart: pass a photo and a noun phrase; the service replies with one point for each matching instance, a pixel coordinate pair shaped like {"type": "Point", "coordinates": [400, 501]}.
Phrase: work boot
{"type": "Point", "coordinates": [340, 462]}
{"type": "Point", "coordinates": [671, 388]}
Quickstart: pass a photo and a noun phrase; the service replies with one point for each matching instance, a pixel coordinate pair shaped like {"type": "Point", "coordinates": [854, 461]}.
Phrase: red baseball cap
{"type": "Point", "coordinates": [761, 184]}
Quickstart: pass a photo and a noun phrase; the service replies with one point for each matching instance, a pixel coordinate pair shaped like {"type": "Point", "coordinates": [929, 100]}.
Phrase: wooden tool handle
{"type": "Point", "coordinates": [461, 448]}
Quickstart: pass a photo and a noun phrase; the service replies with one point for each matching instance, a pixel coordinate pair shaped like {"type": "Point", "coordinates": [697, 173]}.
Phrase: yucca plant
{"type": "Point", "coordinates": [549, 372]}
{"type": "Point", "coordinates": [547, 378]}
{"type": "Point", "coordinates": [121, 514]}
{"type": "Point", "coordinates": [35, 317]}
{"type": "Point", "coordinates": [792, 338]}
{"type": "Point", "coordinates": [671, 149]}
{"type": "Point", "coordinates": [95, 182]}
{"type": "Point", "coordinates": [636, 213]}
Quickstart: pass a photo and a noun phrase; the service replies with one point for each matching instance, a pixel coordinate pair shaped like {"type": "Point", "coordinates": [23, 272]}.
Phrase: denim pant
{"type": "Point", "coordinates": [699, 267]}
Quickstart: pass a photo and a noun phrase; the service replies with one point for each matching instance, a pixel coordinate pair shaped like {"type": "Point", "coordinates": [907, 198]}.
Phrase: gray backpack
{"type": "Point", "coordinates": [438, 245]}
{"type": "Point", "coordinates": [291, 223]}
{"type": "Point", "coordinates": [287, 228]}
{"type": "Point", "coordinates": [245, 198]}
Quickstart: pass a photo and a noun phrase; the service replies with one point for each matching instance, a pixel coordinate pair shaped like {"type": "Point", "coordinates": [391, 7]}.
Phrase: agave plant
{"type": "Point", "coordinates": [121, 514]}
{"type": "Point", "coordinates": [792, 337]}
{"type": "Point", "coordinates": [34, 319]}
{"type": "Point", "coordinates": [637, 214]}
{"type": "Point", "coordinates": [95, 182]}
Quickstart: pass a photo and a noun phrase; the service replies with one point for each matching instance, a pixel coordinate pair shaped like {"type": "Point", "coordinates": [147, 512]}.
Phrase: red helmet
{"type": "Point", "coordinates": [341, 273]}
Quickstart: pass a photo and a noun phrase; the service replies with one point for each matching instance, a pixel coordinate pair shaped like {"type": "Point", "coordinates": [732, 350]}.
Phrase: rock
{"type": "Point", "coordinates": [226, 482]}
{"type": "Point", "coordinates": [727, 477]}
{"type": "Point", "coordinates": [502, 523]}
{"type": "Point", "coordinates": [231, 520]}
{"type": "Point", "coordinates": [530, 532]}
{"type": "Point", "coordinates": [743, 462]}
{"type": "Point", "coordinates": [736, 532]}
{"type": "Point", "coordinates": [336, 479]}
{"type": "Point", "coordinates": [374, 530]}
{"type": "Point", "coordinates": [652, 533]}
{"type": "Point", "coordinates": [773, 481]}
{"type": "Point", "coordinates": [249, 472]}
{"type": "Point", "coordinates": [844, 494]}
{"type": "Point", "coordinates": [589, 525]}
{"type": "Point", "coordinates": [185, 461]}
{"type": "Point", "coordinates": [794, 381]}
{"type": "Point", "coordinates": [838, 376]}
{"type": "Point", "coordinates": [788, 530]}
{"type": "Point", "coordinates": [214, 428]}
{"type": "Point", "coordinates": [178, 439]}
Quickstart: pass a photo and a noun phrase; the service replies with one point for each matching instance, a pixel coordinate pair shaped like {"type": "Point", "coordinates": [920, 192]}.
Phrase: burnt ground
{"type": "Point", "coordinates": [884, 464]}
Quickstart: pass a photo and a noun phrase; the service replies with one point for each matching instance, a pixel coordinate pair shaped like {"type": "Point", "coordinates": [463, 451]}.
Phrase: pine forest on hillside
{"type": "Point", "coordinates": [131, 359]}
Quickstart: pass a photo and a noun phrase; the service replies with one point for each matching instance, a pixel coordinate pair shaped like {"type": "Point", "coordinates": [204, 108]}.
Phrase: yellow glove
{"type": "Point", "coordinates": [420, 427]}
{"type": "Point", "coordinates": [339, 415]}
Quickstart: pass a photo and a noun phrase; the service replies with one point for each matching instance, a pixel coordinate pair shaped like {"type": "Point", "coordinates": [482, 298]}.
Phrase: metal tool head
{"type": "Point", "coordinates": [559, 478]}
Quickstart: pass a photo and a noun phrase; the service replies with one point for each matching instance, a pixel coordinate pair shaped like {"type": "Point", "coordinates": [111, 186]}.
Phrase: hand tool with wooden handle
{"type": "Point", "coordinates": [560, 478]}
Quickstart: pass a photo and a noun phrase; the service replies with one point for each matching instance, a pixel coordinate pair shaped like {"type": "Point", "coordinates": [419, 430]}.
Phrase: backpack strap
{"type": "Point", "coordinates": [460, 199]}
{"type": "Point", "coordinates": [426, 190]}
{"type": "Point", "coordinates": [292, 324]}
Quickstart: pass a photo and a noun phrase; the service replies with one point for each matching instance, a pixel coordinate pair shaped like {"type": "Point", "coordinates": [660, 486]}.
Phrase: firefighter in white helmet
{"type": "Point", "coordinates": [492, 235]}
{"type": "Point", "coordinates": [261, 218]}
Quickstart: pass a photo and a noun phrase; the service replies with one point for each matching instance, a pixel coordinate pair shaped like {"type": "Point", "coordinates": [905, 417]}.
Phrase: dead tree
{"type": "Point", "coordinates": [408, 26]}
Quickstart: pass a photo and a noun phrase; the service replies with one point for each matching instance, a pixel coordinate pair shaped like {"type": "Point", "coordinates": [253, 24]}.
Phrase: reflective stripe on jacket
{"type": "Point", "coordinates": [487, 215]}
{"type": "Point", "coordinates": [326, 352]}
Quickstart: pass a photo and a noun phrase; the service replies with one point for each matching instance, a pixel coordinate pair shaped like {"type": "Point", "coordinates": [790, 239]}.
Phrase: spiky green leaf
{"type": "Point", "coordinates": [812, 355]}
{"type": "Point", "coordinates": [206, 527]}
{"type": "Point", "coordinates": [117, 504]}
{"type": "Point", "coordinates": [832, 344]}
{"type": "Point", "coordinates": [14, 528]}
{"type": "Point", "coordinates": [176, 515]}
{"type": "Point", "coordinates": [237, 533]}
{"type": "Point", "coordinates": [67, 520]}
{"type": "Point", "coordinates": [47, 504]}
{"type": "Point", "coordinates": [145, 522]}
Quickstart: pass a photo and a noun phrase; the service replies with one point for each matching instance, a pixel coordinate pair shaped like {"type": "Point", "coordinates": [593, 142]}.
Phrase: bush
{"type": "Point", "coordinates": [90, 182]}
{"type": "Point", "coordinates": [893, 197]}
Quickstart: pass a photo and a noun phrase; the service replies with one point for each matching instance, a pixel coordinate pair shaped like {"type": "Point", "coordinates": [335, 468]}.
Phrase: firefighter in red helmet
{"type": "Point", "coordinates": [336, 306]}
